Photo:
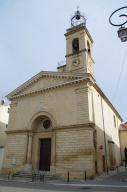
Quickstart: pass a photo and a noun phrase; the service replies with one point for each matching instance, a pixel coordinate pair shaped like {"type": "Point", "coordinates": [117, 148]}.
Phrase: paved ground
{"type": "Point", "coordinates": [49, 188]}
{"type": "Point", "coordinates": [114, 182]}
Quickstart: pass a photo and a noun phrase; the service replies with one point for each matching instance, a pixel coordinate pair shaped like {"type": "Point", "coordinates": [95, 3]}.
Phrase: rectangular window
{"type": "Point", "coordinates": [114, 121]}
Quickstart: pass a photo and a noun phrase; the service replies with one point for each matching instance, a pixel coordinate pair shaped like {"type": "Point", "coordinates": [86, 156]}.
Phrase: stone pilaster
{"type": "Point", "coordinates": [28, 165]}
{"type": "Point", "coordinates": [53, 152]}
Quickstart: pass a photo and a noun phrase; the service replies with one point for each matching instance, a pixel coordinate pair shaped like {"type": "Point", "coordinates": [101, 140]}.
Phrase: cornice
{"type": "Point", "coordinates": [31, 132]}
{"type": "Point", "coordinates": [71, 54]}
{"type": "Point", "coordinates": [122, 129]}
{"type": "Point", "coordinates": [87, 78]}
{"type": "Point", "coordinates": [72, 30]}
{"type": "Point", "coordinates": [61, 66]}
{"type": "Point", "coordinates": [107, 100]}
{"type": "Point", "coordinates": [16, 131]}
{"type": "Point", "coordinates": [42, 74]}
{"type": "Point", "coordinates": [85, 125]}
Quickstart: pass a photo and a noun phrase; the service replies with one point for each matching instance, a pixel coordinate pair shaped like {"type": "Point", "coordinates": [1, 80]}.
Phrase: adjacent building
{"type": "Point", "coordinates": [62, 121]}
{"type": "Point", "coordinates": [123, 139]}
{"type": "Point", "coordinates": [4, 115]}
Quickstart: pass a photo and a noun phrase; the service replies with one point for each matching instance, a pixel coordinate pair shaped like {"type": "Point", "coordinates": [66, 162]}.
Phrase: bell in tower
{"type": "Point", "coordinates": [78, 46]}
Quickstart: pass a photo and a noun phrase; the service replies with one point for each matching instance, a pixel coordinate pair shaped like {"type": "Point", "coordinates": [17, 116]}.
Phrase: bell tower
{"type": "Point", "coordinates": [79, 46]}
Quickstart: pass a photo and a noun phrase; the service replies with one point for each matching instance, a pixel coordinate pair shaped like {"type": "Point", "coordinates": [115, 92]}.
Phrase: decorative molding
{"type": "Point", "coordinates": [59, 127]}
{"type": "Point", "coordinates": [81, 89]}
{"type": "Point", "coordinates": [42, 130]}
{"type": "Point", "coordinates": [17, 131]}
{"type": "Point", "coordinates": [107, 100]}
{"type": "Point", "coordinates": [37, 114]}
{"type": "Point", "coordinates": [14, 104]}
{"type": "Point", "coordinates": [65, 75]}
{"type": "Point", "coordinates": [87, 78]}
{"type": "Point", "coordinates": [85, 125]}
{"type": "Point", "coordinates": [76, 29]}
{"type": "Point", "coordinates": [72, 54]}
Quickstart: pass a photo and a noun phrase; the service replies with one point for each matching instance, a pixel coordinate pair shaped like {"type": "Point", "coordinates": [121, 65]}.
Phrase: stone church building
{"type": "Point", "coordinates": [62, 121]}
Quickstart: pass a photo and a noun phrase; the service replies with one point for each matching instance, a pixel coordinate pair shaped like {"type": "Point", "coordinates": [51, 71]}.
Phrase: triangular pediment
{"type": "Point", "coordinates": [42, 81]}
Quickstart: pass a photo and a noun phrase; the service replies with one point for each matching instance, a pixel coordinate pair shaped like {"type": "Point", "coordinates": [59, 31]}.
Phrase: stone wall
{"type": "Point", "coordinates": [65, 107]}
{"type": "Point", "coordinates": [16, 150]}
{"type": "Point", "coordinates": [75, 152]}
{"type": "Point", "coordinates": [71, 111]}
{"type": "Point", "coordinates": [68, 106]}
{"type": "Point", "coordinates": [107, 124]}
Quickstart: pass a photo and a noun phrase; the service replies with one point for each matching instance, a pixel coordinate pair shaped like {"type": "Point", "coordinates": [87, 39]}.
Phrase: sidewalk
{"type": "Point", "coordinates": [118, 175]}
{"type": "Point", "coordinates": [114, 181]}
{"type": "Point", "coordinates": [111, 173]}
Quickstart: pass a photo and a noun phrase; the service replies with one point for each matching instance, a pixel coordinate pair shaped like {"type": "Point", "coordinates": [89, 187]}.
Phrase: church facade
{"type": "Point", "coordinates": [62, 121]}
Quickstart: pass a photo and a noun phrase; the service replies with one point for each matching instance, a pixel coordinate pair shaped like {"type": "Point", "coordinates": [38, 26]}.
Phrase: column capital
{"type": "Point", "coordinates": [30, 134]}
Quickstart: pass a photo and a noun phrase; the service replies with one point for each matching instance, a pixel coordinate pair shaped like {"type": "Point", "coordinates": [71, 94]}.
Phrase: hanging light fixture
{"type": "Point", "coordinates": [122, 31]}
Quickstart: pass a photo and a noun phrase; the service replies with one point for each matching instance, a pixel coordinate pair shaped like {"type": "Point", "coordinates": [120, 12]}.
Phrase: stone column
{"type": "Point", "coordinates": [28, 165]}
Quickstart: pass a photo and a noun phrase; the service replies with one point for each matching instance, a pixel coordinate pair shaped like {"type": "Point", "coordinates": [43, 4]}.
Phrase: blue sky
{"type": "Point", "coordinates": [32, 39]}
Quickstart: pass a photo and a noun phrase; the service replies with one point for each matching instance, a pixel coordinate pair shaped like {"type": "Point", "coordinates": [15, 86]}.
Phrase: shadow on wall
{"type": "Point", "coordinates": [108, 154]}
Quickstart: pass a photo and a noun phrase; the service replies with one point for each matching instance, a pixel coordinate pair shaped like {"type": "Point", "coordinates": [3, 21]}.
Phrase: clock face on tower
{"type": "Point", "coordinates": [75, 62]}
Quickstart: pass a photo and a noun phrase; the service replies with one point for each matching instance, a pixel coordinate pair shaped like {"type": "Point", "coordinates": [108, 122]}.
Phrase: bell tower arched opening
{"type": "Point", "coordinates": [75, 45]}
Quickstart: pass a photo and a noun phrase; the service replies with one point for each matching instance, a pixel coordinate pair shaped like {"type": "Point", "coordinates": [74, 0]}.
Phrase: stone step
{"type": "Point", "coordinates": [31, 176]}
{"type": "Point", "coordinates": [36, 175]}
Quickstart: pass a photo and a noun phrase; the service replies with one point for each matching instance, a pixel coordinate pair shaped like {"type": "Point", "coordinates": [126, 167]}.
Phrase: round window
{"type": "Point", "coordinates": [46, 124]}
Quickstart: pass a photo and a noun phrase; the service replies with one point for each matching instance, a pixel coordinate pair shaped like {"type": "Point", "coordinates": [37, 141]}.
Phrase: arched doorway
{"type": "Point", "coordinates": [42, 143]}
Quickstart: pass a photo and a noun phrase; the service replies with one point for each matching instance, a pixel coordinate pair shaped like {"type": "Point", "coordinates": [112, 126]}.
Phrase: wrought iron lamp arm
{"type": "Point", "coordinates": [123, 15]}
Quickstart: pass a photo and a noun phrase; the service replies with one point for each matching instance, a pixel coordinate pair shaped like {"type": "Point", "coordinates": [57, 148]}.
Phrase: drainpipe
{"type": "Point", "coordinates": [104, 135]}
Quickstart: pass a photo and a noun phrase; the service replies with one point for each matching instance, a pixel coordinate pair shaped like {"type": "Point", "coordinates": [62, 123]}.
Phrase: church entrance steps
{"type": "Point", "coordinates": [32, 176]}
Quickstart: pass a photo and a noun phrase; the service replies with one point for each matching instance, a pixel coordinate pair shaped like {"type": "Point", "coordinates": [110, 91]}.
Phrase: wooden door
{"type": "Point", "coordinates": [45, 154]}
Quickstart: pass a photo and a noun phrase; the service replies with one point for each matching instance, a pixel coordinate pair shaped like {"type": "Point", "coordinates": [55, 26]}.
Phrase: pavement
{"type": "Point", "coordinates": [113, 181]}
{"type": "Point", "coordinates": [15, 189]}
{"type": "Point", "coordinates": [119, 175]}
